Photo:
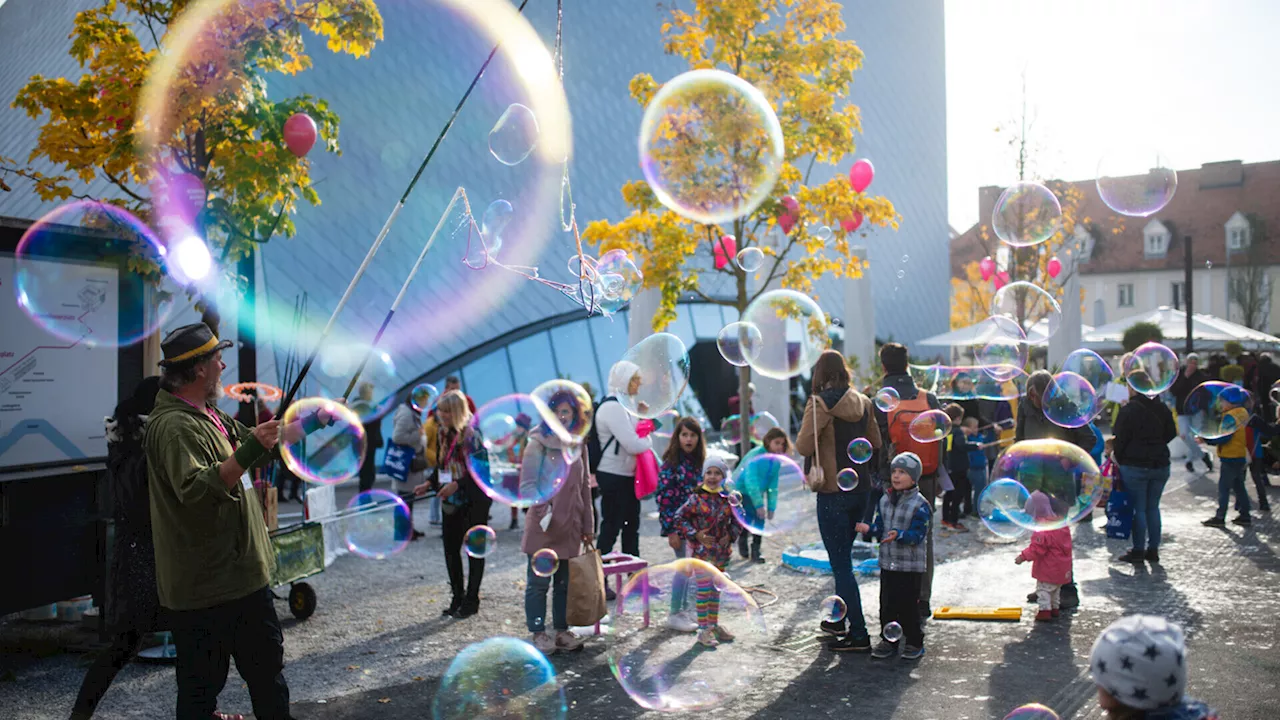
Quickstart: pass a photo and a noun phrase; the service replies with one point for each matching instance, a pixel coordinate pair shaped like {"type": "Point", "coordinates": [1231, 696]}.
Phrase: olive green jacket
{"type": "Point", "coordinates": [211, 543]}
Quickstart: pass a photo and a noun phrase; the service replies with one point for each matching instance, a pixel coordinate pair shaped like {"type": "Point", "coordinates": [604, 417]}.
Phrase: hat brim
{"type": "Point", "coordinates": [222, 345]}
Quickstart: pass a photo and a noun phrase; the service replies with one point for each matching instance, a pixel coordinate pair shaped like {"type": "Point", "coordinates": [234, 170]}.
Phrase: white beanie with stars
{"type": "Point", "coordinates": [1141, 661]}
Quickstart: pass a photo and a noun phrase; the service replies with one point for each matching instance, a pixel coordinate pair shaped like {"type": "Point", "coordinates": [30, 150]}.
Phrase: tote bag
{"type": "Point", "coordinates": [1119, 513]}
{"type": "Point", "coordinates": [586, 588]}
{"type": "Point", "coordinates": [396, 461]}
{"type": "Point", "coordinates": [646, 474]}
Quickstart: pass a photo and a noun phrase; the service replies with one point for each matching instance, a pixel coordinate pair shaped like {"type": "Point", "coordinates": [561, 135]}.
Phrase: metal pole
{"type": "Point", "coordinates": [1186, 281]}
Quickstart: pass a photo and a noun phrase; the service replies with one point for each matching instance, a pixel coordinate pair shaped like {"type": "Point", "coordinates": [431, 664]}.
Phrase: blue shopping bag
{"type": "Point", "coordinates": [395, 462]}
{"type": "Point", "coordinates": [1119, 515]}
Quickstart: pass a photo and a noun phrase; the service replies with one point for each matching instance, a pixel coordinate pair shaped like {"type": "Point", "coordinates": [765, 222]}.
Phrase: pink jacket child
{"type": "Point", "coordinates": [1050, 557]}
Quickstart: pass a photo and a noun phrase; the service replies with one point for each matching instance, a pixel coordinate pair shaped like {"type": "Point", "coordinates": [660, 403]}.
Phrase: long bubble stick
{"type": "Point", "coordinates": [386, 228]}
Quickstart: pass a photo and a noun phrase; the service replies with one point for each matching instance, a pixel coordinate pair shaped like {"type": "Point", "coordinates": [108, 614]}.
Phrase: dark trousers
{"type": "Point", "coordinates": [929, 491]}
{"type": "Point", "coordinates": [951, 502]}
{"type": "Point", "coordinates": [454, 527]}
{"type": "Point", "coordinates": [899, 592]}
{"type": "Point", "coordinates": [749, 544]}
{"type": "Point", "coordinates": [838, 512]}
{"type": "Point", "coordinates": [368, 469]}
{"type": "Point", "coordinates": [109, 662]}
{"type": "Point", "coordinates": [595, 511]}
{"type": "Point", "coordinates": [247, 630]}
{"type": "Point", "coordinates": [1258, 471]}
{"type": "Point", "coordinates": [620, 512]}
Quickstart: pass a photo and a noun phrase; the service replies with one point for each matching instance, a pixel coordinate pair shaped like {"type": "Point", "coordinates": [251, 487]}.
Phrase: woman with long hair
{"type": "Point", "coordinates": [452, 442]}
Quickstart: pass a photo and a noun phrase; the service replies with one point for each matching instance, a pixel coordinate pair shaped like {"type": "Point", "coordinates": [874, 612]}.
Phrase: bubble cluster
{"type": "Point", "coordinates": [847, 479]}
{"type": "Point", "coordinates": [1028, 307]}
{"type": "Point", "coordinates": [664, 670]}
{"type": "Point", "coordinates": [322, 441]}
{"type": "Point", "coordinates": [544, 562]}
{"type": "Point", "coordinates": [750, 259]}
{"type": "Point", "coordinates": [833, 609]}
{"type": "Point", "coordinates": [1150, 369]}
{"type": "Point", "coordinates": [771, 485]}
{"type": "Point", "coordinates": [739, 343]}
{"type": "Point", "coordinates": [1070, 401]}
{"type": "Point", "coordinates": [423, 397]}
{"type": "Point", "coordinates": [1135, 180]}
{"type": "Point", "coordinates": [887, 399]}
{"type": "Point", "coordinates": [710, 146]}
{"type": "Point", "coordinates": [1216, 409]}
{"type": "Point", "coordinates": [1026, 214]}
{"type": "Point", "coordinates": [1090, 366]}
{"type": "Point", "coordinates": [998, 500]}
{"type": "Point", "coordinates": [480, 541]}
{"type": "Point", "coordinates": [565, 408]}
{"type": "Point", "coordinates": [1032, 711]}
{"type": "Point", "coordinates": [762, 423]}
{"type": "Point", "coordinates": [61, 293]}
{"type": "Point", "coordinates": [661, 371]}
{"type": "Point", "coordinates": [793, 331]}
{"type": "Point", "coordinates": [496, 218]}
{"type": "Point", "coordinates": [375, 393]}
{"type": "Point", "coordinates": [1059, 479]}
{"type": "Point", "coordinates": [370, 527]}
{"type": "Point", "coordinates": [498, 678]}
{"type": "Point", "coordinates": [859, 450]}
{"type": "Point", "coordinates": [495, 445]}
{"type": "Point", "coordinates": [892, 632]}
{"type": "Point", "coordinates": [619, 281]}
{"type": "Point", "coordinates": [930, 426]}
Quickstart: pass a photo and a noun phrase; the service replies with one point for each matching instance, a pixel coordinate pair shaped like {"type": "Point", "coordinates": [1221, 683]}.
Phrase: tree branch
{"type": "Point", "coordinates": [120, 184]}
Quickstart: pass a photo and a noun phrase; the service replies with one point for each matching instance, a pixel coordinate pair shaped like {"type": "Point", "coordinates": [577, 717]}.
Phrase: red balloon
{"type": "Point", "coordinates": [787, 223]}
{"type": "Point", "coordinates": [988, 267]}
{"type": "Point", "coordinates": [791, 204]}
{"type": "Point", "coordinates": [1054, 267]}
{"type": "Point", "coordinates": [725, 250]}
{"type": "Point", "coordinates": [300, 133]}
{"type": "Point", "coordinates": [851, 224]}
{"type": "Point", "coordinates": [1001, 280]}
{"type": "Point", "coordinates": [861, 175]}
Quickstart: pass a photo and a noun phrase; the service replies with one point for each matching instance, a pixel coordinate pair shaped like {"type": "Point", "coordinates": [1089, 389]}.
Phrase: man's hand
{"type": "Point", "coordinates": [861, 528]}
{"type": "Point", "coordinates": [422, 489]}
{"type": "Point", "coordinates": [890, 536]}
{"type": "Point", "coordinates": [268, 433]}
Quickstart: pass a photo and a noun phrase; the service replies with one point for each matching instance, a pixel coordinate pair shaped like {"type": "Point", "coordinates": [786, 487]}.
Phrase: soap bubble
{"type": "Point", "coordinates": [1151, 369]}
{"type": "Point", "coordinates": [1005, 353]}
{"type": "Point", "coordinates": [1032, 711]}
{"type": "Point", "coordinates": [1070, 401]}
{"type": "Point", "coordinates": [1135, 180]}
{"type": "Point", "coordinates": [762, 423]}
{"type": "Point", "coordinates": [667, 671]}
{"type": "Point", "coordinates": [906, 258]}
{"type": "Point", "coordinates": [731, 429]}
{"type": "Point", "coordinates": [996, 504]}
{"type": "Point", "coordinates": [765, 481]}
{"type": "Point", "coordinates": [423, 397]}
{"type": "Point", "coordinates": [323, 441]}
{"type": "Point", "coordinates": [545, 562]}
{"type": "Point", "coordinates": [496, 218]}
{"type": "Point", "coordinates": [63, 294]}
{"type": "Point", "coordinates": [1026, 214]}
{"type": "Point", "coordinates": [611, 266]}
{"type": "Point", "coordinates": [735, 498]}
{"type": "Point", "coordinates": [499, 678]}
{"type": "Point", "coordinates": [750, 259]}
{"type": "Point", "coordinates": [833, 609]}
{"type": "Point", "coordinates": [514, 135]}
{"type": "Point", "coordinates": [1208, 409]}
{"type": "Point", "coordinates": [902, 274]}
{"type": "Point", "coordinates": [1274, 392]}
{"type": "Point", "coordinates": [661, 373]}
{"type": "Point", "coordinates": [892, 632]}
{"type": "Point", "coordinates": [847, 479]}
{"type": "Point", "coordinates": [710, 146]}
{"type": "Point", "coordinates": [966, 382]}
{"type": "Point", "coordinates": [480, 541]}
{"type": "Point", "coordinates": [823, 233]}
{"type": "Point", "coordinates": [1090, 366]}
{"type": "Point", "coordinates": [370, 527]}
{"type": "Point", "coordinates": [930, 426]}
{"type": "Point", "coordinates": [739, 343]}
{"type": "Point", "coordinates": [565, 407]}
{"type": "Point", "coordinates": [375, 393]}
{"type": "Point", "coordinates": [665, 427]}
{"type": "Point", "coordinates": [860, 450]}
{"type": "Point", "coordinates": [793, 330]}
{"type": "Point", "coordinates": [887, 399]}
{"type": "Point", "coordinates": [1026, 305]}
{"type": "Point", "coordinates": [1060, 478]}
{"type": "Point", "coordinates": [496, 442]}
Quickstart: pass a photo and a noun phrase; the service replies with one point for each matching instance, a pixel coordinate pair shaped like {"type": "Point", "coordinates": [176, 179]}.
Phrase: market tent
{"type": "Point", "coordinates": [984, 332]}
{"type": "Point", "coordinates": [1209, 332]}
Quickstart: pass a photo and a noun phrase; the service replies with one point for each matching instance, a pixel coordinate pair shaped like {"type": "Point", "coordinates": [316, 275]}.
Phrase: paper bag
{"type": "Point", "coordinates": [271, 509]}
{"type": "Point", "coordinates": [586, 588]}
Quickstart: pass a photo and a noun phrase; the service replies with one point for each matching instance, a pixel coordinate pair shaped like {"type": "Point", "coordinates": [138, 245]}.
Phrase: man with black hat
{"type": "Point", "coordinates": [213, 555]}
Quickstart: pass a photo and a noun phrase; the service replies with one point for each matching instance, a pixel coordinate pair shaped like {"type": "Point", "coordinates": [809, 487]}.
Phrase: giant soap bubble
{"type": "Point", "coordinates": [739, 343]}
{"type": "Point", "coordinates": [1150, 369]}
{"type": "Point", "coordinates": [1209, 409]}
{"type": "Point", "coordinates": [1060, 479]}
{"type": "Point", "coordinates": [1026, 213]}
{"type": "Point", "coordinates": [1019, 307]}
{"type": "Point", "coordinates": [710, 146]}
{"type": "Point", "coordinates": [323, 441]}
{"type": "Point", "coordinates": [375, 392]}
{"type": "Point", "coordinates": [658, 372]}
{"type": "Point", "coordinates": [494, 450]}
{"type": "Point", "coordinates": [1090, 366]}
{"type": "Point", "coordinates": [1136, 180]}
{"type": "Point", "coordinates": [496, 679]}
{"type": "Point", "coordinates": [793, 332]}
{"type": "Point", "coordinates": [1069, 400]}
{"type": "Point", "coordinates": [774, 499]}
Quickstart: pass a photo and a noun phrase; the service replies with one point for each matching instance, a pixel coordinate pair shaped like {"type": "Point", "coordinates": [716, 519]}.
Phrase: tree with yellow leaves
{"type": "Point", "coordinates": [792, 52]}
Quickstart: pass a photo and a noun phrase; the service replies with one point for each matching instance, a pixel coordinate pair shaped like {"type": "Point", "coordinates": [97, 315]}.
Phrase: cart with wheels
{"type": "Point", "coordinates": [299, 555]}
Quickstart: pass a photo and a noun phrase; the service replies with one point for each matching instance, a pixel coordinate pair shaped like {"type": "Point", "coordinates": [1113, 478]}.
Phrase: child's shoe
{"type": "Point", "coordinates": [884, 649]}
{"type": "Point", "coordinates": [833, 628]}
{"type": "Point", "coordinates": [544, 643]}
{"type": "Point", "coordinates": [1055, 613]}
{"type": "Point", "coordinates": [911, 652]}
{"type": "Point", "coordinates": [959, 527]}
{"type": "Point", "coordinates": [722, 634]}
{"type": "Point", "coordinates": [707, 638]}
{"type": "Point", "coordinates": [681, 622]}
{"type": "Point", "coordinates": [1215, 521]}
{"type": "Point", "coordinates": [1044, 616]}
{"type": "Point", "coordinates": [849, 643]}
{"type": "Point", "coordinates": [567, 641]}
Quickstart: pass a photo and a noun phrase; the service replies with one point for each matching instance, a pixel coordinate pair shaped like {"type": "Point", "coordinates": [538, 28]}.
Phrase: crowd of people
{"type": "Point", "coordinates": [180, 470]}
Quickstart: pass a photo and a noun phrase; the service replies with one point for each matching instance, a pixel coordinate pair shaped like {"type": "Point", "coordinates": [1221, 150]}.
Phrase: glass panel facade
{"type": "Point", "coordinates": [487, 378]}
{"type": "Point", "coordinates": [532, 361]}
{"type": "Point", "coordinates": [574, 353]}
{"type": "Point", "coordinates": [707, 320]}
{"type": "Point", "coordinates": [682, 326]}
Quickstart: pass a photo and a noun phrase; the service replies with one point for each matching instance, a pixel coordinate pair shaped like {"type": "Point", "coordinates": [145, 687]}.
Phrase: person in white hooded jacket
{"type": "Point", "coordinates": [616, 473]}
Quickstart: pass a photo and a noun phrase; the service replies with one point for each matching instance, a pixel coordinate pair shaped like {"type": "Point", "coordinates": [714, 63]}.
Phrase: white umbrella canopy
{"type": "Point", "coordinates": [1208, 331]}
{"type": "Point", "coordinates": [985, 331]}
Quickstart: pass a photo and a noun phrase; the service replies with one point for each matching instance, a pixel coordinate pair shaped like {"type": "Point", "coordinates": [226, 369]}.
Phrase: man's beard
{"type": "Point", "coordinates": [211, 392]}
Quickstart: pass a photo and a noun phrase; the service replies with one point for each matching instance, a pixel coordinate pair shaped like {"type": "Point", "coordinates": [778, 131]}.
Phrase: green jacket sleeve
{"type": "Point", "coordinates": [243, 433]}
{"type": "Point", "coordinates": [184, 459]}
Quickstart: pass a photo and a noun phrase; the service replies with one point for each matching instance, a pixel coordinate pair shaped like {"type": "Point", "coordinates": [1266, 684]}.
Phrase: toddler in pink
{"type": "Point", "coordinates": [1050, 556]}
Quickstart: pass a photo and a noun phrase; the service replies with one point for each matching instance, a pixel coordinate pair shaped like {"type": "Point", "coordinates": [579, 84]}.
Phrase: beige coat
{"type": "Point", "coordinates": [851, 406]}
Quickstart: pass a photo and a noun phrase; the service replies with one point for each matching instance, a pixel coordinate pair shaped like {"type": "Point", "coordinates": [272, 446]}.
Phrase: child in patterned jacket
{"type": "Point", "coordinates": [707, 524]}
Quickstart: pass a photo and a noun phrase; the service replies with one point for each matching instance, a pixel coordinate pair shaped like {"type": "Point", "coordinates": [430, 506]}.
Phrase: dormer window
{"type": "Point", "coordinates": [1156, 237]}
{"type": "Point", "coordinates": [1084, 241]}
{"type": "Point", "coordinates": [1238, 233]}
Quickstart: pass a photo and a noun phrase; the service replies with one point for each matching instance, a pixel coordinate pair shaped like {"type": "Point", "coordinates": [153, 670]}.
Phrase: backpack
{"type": "Point", "coordinates": [594, 450]}
{"type": "Point", "coordinates": [899, 436]}
{"type": "Point", "coordinates": [846, 432]}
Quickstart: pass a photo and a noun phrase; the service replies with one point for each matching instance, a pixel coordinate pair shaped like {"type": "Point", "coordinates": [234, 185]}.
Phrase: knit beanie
{"type": "Point", "coordinates": [1140, 661]}
{"type": "Point", "coordinates": [715, 461]}
{"type": "Point", "coordinates": [910, 462]}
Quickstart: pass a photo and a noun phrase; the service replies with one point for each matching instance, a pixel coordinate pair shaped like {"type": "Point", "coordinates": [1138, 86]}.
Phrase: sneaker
{"type": "Point", "coordinates": [911, 652]}
{"type": "Point", "coordinates": [1055, 613]}
{"type": "Point", "coordinates": [884, 649]}
{"type": "Point", "coordinates": [610, 595]}
{"type": "Point", "coordinates": [833, 628]}
{"type": "Point", "coordinates": [1044, 616]}
{"type": "Point", "coordinates": [1153, 556]}
{"type": "Point", "coordinates": [1134, 555]}
{"type": "Point", "coordinates": [723, 634]}
{"type": "Point", "coordinates": [707, 638]}
{"type": "Point", "coordinates": [849, 643]}
{"type": "Point", "coordinates": [1190, 467]}
{"type": "Point", "coordinates": [568, 642]}
{"type": "Point", "coordinates": [1215, 522]}
{"type": "Point", "coordinates": [1208, 464]}
{"type": "Point", "coordinates": [681, 622]}
{"type": "Point", "coordinates": [960, 527]}
{"type": "Point", "coordinates": [759, 559]}
{"type": "Point", "coordinates": [1264, 507]}
{"type": "Point", "coordinates": [545, 644]}
{"type": "Point", "coordinates": [1070, 597]}
{"type": "Point", "coordinates": [1242, 520]}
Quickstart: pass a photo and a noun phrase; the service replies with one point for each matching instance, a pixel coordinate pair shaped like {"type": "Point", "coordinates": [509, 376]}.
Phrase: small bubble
{"type": "Point", "coordinates": [906, 258]}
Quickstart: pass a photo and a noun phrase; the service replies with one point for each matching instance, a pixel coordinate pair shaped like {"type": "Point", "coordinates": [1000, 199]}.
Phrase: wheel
{"type": "Point", "coordinates": [302, 600]}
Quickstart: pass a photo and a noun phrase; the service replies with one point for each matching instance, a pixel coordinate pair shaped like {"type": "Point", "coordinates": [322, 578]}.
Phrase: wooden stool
{"type": "Point", "coordinates": [618, 564]}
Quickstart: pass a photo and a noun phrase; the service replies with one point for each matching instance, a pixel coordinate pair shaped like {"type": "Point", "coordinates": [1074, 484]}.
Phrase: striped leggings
{"type": "Point", "coordinates": [708, 600]}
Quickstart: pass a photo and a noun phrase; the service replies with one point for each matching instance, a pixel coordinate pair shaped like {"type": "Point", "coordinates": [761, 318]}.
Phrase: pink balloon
{"type": "Point", "coordinates": [1001, 280]}
{"type": "Point", "coordinates": [988, 267]}
{"type": "Point", "coordinates": [851, 224]}
{"type": "Point", "coordinates": [724, 251]}
{"type": "Point", "coordinates": [300, 133]}
{"type": "Point", "coordinates": [187, 190]}
{"type": "Point", "coordinates": [791, 204]}
{"type": "Point", "coordinates": [787, 223]}
{"type": "Point", "coordinates": [1054, 267]}
{"type": "Point", "coordinates": [861, 175]}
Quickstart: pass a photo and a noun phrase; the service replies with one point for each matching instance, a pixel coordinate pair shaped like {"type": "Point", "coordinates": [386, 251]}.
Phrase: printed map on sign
{"type": "Point", "coordinates": [54, 392]}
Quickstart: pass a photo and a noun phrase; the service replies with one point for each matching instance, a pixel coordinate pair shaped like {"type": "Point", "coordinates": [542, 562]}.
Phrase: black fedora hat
{"type": "Point", "coordinates": [190, 343]}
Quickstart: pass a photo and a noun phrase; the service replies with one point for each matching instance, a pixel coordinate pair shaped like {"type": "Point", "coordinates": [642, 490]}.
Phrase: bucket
{"type": "Point", "coordinates": [74, 609]}
{"type": "Point", "coordinates": [44, 612]}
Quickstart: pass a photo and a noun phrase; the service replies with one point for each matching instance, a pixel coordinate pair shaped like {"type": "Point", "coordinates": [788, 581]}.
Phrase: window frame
{"type": "Point", "coordinates": [1120, 296]}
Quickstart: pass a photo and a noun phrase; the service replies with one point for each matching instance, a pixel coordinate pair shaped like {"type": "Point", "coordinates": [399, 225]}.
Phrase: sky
{"type": "Point", "coordinates": [1192, 79]}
